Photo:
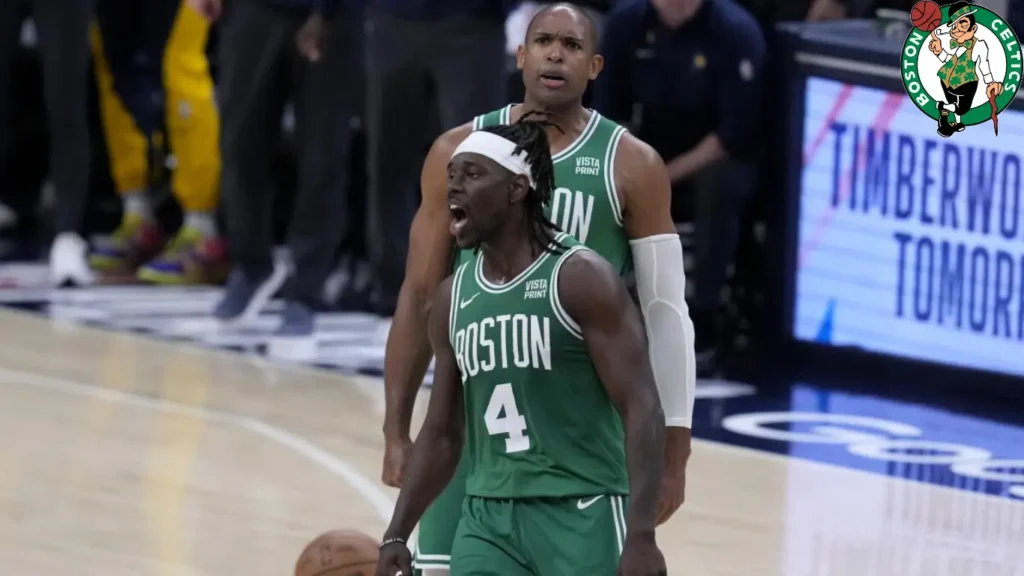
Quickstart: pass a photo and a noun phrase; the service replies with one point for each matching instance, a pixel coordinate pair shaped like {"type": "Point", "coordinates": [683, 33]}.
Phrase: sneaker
{"type": "Point", "coordinates": [68, 265]}
{"type": "Point", "coordinates": [190, 258]}
{"type": "Point", "coordinates": [297, 320]}
{"type": "Point", "coordinates": [135, 242]}
{"type": "Point", "coordinates": [295, 340]}
{"type": "Point", "coordinates": [244, 297]}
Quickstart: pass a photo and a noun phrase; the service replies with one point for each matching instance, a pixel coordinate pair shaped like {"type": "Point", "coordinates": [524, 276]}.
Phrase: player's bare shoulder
{"type": "Point", "coordinates": [585, 281]}
{"type": "Point", "coordinates": [644, 188]}
{"type": "Point", "coordinates": [635, 163]}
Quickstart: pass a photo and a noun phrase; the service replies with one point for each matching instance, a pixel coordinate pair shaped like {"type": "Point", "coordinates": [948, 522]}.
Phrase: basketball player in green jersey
{"type": "Point", "coordinates": [612, 193]}
{"type": "Point", "coordinates": [542, 375]}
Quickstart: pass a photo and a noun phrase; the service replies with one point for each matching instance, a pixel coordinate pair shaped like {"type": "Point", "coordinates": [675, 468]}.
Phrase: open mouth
{"type": "Point", "coordinates": [552, 80]}
{"type": "Point", "coordinates": [458, 212]}
{"type": "Point", "coordinates": [458, 218]}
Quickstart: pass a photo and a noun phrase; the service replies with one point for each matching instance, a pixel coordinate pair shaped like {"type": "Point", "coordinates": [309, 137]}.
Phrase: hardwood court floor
{"type": "Point", "coordinates": [124, 456]}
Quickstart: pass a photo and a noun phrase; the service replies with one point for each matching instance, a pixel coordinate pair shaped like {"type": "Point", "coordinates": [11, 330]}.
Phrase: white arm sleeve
{"type": "Point", "coordinates": [661, 285]}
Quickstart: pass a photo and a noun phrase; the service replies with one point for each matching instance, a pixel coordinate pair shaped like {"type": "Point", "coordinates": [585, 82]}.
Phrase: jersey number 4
{"type": "Point", "coordinates": [503, 417]}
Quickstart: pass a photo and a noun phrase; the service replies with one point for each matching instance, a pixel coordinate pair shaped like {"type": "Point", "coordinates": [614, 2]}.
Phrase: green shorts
{"type": "Point", "coordinates": [438, 524]}
{"type": "Point", "coordinates": [540, 536]}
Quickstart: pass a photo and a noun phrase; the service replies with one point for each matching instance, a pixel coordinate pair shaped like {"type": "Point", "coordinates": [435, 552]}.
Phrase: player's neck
{"type": "Point", "coordinates": [508, 255]}
{"type": "Point", "coordinates": [572, 119]}
{"type": "Point", "coordinates": [569, 114]}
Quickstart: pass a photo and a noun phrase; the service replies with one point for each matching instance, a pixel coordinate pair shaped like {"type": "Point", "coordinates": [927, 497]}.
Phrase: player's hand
{"type": "Point", "coordinates": [394, 558]}
{"type": "Point", "coordinates": [673, 479]}
{"type": "Point", "coordinates": [209, 9]}
{"type": "Point", "coordinates": [641, 557]}
{"type": "Point", "coordinates": [396, 456]}
{"type": "Point", "coordinates": [935, 46]}
{"type": "Point", "coordinates": [994, 89]}
{"type": "Point", "coordinates": [312, 37]}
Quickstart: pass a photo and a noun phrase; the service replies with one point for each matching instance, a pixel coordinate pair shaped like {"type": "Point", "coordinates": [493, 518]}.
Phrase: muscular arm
{"type": "Point", "coordinates": [439, 443]}
{"type": "Point", "coordinates": [407, 354]}
{"type": "Point", "coordinates": [661, 282]}
{"type": "Point", "coordinates": [596, 298]}
{"type": "Point", "coordinates": [641, 177]}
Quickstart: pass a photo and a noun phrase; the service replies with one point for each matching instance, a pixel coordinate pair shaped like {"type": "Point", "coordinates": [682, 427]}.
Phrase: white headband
{"type": "Point", "coordinates": [496, 148]}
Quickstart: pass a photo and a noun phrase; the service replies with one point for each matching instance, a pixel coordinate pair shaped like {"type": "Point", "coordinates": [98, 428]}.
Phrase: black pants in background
{"type": "Point", "coordinates": [63, 43]}
{"type": "Point", "coordinates": [260, 70]}
{"type": "Point", "coordinates": [415, 70]}
{"type": "Point", "coordinates": [719, 197]}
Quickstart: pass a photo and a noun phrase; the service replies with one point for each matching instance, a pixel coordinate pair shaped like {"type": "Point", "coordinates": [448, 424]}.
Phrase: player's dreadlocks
{"type": "Point", "coordinates": [530, 137]}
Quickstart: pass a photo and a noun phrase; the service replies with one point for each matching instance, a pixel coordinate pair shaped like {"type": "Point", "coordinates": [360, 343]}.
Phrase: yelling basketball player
{"type": "Point", "coordinates": [542, 376]}
{"type": "Point", "coordinates": [612, 193]}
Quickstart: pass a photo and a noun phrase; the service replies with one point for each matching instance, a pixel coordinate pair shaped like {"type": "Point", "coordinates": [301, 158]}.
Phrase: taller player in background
{"type": "Point", "coordinates": [155, 87]}
{"type": "Point", "coordinates": [613, 194]}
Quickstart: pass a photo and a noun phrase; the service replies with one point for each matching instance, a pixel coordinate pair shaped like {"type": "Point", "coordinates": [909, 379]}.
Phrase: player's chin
{"type": "Point", "coordinates": [554, 96]}
{"type": "Point", "coordinates": [466, 239]}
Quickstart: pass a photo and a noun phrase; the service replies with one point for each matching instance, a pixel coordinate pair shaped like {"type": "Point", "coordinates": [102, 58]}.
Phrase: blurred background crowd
{"type": "Point", "coordinates": [186, 141]}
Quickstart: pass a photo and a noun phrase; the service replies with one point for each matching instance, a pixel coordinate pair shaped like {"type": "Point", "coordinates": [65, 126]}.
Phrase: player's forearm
{"type": "Point", "coordinates": [677, 442]}
{"type": "Point", "coordinates": [406, 358]}
{"type": "Point", "coordinates": [645, 449]}
{"type": "Point", "coordinates": [661, 287]}
{"type": "Point", "coordinates": [435, 455]}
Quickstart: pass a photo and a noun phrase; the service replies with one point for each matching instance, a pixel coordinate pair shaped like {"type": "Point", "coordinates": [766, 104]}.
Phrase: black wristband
{"type": "Point", "coordinates": [391, 541]}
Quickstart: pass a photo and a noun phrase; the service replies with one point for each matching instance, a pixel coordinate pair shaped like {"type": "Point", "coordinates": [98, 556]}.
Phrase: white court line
{"type": "Point", "coordinates": [799, 460]}
{"type": "Point", "coordinates": [268, 366]}
{"type": "Point", "coordinates": [366, 488]}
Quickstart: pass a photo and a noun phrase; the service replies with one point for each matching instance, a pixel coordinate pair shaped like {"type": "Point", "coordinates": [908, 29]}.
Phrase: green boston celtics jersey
{"type": "Point", "coordinates": [538, 420]}
{"type": "Point", "coordinates": [585, 203]}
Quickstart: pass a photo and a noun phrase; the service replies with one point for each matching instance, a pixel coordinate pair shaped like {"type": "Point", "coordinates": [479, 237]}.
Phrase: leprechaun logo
{"type": "Point", "coordinates": [961, 64]}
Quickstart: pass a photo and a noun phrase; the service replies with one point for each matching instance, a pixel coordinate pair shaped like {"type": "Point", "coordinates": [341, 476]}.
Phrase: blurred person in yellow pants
{"type": "Point", "coordinates": [154, 83]}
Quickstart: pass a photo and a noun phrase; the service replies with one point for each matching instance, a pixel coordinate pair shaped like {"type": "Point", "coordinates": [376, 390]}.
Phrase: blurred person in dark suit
{"type": "Point", "coordinates": [63, 28]}
{"type": "Point", "coordinates": [425, 57]}
{"type": "Point", "coordinates": [154, 86]}
{"type": "Point", "coordinates": [686, 76]}
{"type": "Point", "coordinates": [272, 51]}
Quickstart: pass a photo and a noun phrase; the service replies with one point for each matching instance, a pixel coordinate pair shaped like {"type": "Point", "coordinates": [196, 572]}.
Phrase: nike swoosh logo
{"type": "Point", "coordinates": [467, 301]}
{"type": "Point", "coordinates": [583, 505]}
